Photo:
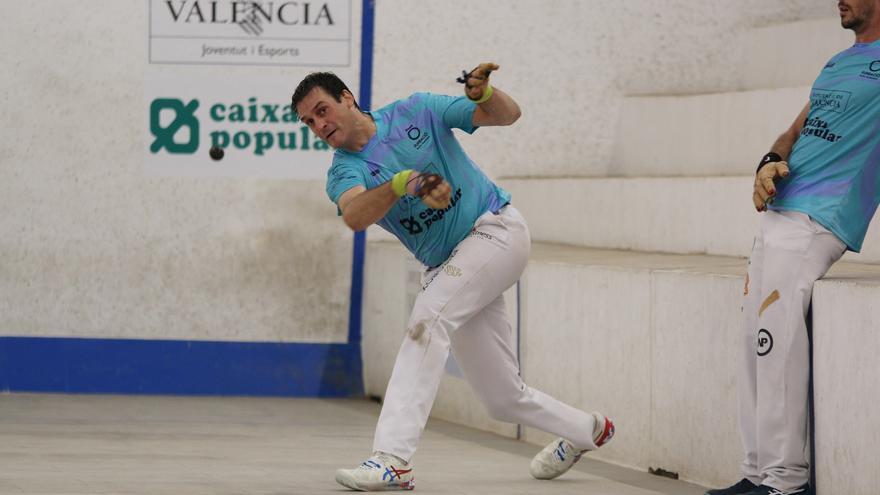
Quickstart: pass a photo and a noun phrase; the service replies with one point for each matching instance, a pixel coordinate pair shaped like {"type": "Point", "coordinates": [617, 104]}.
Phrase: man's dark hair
{"type": "Point", "coordinates": [327, 81]}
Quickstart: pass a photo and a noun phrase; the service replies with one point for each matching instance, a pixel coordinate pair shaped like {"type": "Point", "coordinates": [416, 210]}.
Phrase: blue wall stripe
{"type": "Point", "coordinates": [355, 310]}
{"type": "Point", "coordinates": [367, 23]}
{"type": "Point", "coordinates": [176, 367]}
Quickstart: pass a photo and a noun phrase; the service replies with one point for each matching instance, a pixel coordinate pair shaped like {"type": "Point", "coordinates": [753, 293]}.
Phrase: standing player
{"type": "Point", "coordinates": [821, 185]}
{"type": "Point", "coordinates": [402, 168]}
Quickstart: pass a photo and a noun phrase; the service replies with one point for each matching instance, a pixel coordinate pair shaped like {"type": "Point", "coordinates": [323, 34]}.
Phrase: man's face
{"type": "Point", "coordinates": [856, 14]}
{"type": "Point", "coordinates": [329, 119]}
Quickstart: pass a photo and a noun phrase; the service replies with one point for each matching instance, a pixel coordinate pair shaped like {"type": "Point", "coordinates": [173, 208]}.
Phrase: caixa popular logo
{"type": "Point", "coordinates": [184, 120]}
{"type": "Point", "coordinates": [258, 127]}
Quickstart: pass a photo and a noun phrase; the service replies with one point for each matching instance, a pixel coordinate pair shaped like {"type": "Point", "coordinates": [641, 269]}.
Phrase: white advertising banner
{"type": "Point", "coordinates": [250, 120]}
{"type": "Point", "coordinates": [219, 82]}
{"type": "Point", "coordinates": [239, 32]}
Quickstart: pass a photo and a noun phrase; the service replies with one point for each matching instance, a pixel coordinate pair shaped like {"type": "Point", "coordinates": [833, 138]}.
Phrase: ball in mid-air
{"type": "Point", "coordinates": [216, 152]}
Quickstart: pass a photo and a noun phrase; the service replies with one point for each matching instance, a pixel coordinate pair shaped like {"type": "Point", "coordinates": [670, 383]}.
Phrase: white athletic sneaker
{"type": "Point", "coordinates": [380, 472]}
{"type": "Point", "coordinates": [560, 455]}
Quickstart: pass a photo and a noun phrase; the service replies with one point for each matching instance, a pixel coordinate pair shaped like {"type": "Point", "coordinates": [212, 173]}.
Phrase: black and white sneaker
{"type": "Point", "coordinates": [769, 490]}
{"type": "Point", "coordinates": [744, 486]}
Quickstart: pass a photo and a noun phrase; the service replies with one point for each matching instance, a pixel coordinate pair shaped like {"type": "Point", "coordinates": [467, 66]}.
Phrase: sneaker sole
{"type": "Point", "coordinates": [349, 482]}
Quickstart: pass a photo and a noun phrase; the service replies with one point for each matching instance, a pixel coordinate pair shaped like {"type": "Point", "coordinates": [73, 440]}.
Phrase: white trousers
{"type": "Point", "coordinates": [791, 252]}
{"type": "Point", "coordinates": [461, 307]}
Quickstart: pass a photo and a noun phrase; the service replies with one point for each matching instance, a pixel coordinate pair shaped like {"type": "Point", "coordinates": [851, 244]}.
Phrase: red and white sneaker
{"type": "Point", "coordinates": [378, 473]}
{"type": "Point", "coordinates": [560, 455]}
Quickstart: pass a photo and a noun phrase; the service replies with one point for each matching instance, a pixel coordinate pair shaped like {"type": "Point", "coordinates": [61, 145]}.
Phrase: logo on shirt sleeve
{"type": "Point", "coordinates": [340, 175]}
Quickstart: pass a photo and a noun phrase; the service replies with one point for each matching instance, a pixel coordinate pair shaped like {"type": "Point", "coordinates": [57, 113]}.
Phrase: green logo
{"type": "Point", "coordinates": [184, 115]}
{"type": "Point", "coordinates": [252, 125]}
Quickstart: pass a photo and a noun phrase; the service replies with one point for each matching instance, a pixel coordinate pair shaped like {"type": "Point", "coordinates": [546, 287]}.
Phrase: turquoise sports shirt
{"type": "Point", "coordinates": [416, 133]}
{"type": "Point", "coordinates": [835, 162]}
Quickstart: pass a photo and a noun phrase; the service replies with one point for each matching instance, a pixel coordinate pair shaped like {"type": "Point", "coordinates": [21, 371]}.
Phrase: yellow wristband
{"type": "Point", "coordinates": [398, 182]}
{"type": "Point", "coordinates": [487, 93]}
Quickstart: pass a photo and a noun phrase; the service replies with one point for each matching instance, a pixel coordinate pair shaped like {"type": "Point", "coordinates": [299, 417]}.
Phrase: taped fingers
{"type": "Point", "coordinates": [433, 191]}
{"type": "Point", "coordinates": [427, 183]}
{"type": "Point", "coordinates": [483, 70]}
{"type": "Point", "coordinates": [760, 205]}
{"type": "Point", "coordinates": [478, 75]}
{"type": "Point", "coordinates": [769, 186]}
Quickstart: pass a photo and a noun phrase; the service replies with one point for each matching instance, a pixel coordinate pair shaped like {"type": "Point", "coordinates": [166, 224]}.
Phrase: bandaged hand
{"type": "Point", "coordinates": [432, 189]}
{"type": "Point", "coordinates": [765, 183]}
{"type": "Point", "coordinates": [476, 82]}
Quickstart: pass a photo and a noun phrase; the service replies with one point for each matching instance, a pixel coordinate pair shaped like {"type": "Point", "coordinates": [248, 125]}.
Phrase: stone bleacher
{"type": "Point", "coordinates": [631, 303]}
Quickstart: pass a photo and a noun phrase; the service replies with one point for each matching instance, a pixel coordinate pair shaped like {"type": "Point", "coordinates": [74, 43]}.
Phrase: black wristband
{"type": "Point", "coordinates": [768, 158]}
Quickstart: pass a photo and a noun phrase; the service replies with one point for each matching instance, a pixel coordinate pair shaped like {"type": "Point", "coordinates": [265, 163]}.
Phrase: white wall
{"type": "Point", "coordinates": [90, 246]}
{"type": "Point", "coordinates": [647, 338]}
{"type": "Point", "coordinates": [568, 63]}
{"type": "Point", "coordinates": [846, 315]}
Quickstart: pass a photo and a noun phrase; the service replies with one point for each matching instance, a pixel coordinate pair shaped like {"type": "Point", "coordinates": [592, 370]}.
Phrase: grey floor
{"type": "Point", "coordinates": [90, 444]}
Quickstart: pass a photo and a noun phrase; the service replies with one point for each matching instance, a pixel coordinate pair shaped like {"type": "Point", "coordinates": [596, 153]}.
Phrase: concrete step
{"type": "Point", "coordinates": [790, 54]}
{"type": "Point", "coordinates": [650, 339]}
{"type": "Point", "coordinates": [726, 133]}
{"type": "Point", "coordinates": [706, 215]}
{"type": "Point", "coordinates": [696, 135]}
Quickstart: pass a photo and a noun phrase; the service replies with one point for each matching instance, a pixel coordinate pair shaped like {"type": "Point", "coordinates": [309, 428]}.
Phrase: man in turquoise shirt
{"type": "Point", "coordinates": [421, 127]}
{"type": "Point", "coordinates": [402, 168]}
{"type": "Point", "coordinates": [819, 188]}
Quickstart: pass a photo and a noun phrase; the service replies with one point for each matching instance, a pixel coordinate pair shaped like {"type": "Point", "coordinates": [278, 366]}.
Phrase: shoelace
{"type": "Point", "coordinates": [383, 460]}
{"type": "Point", "coordinates": [370, 464]}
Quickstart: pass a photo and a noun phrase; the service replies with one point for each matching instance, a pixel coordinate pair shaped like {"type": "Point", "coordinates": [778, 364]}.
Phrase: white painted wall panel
{"type": "Point", "coordinates": [713, 134]}
{"type": "Point", "coordinates": [799, 51]}
{"type": "Point", "coordinates": [696, 321]}
{"type": "Point", "coordinates": [91, 247]}
{"type": "Point", "coordinates": [710, 215]}
{"type": "Point", "coordinates": [586, 342]}
{"type": "Point", "coordinates": [846, 312]}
